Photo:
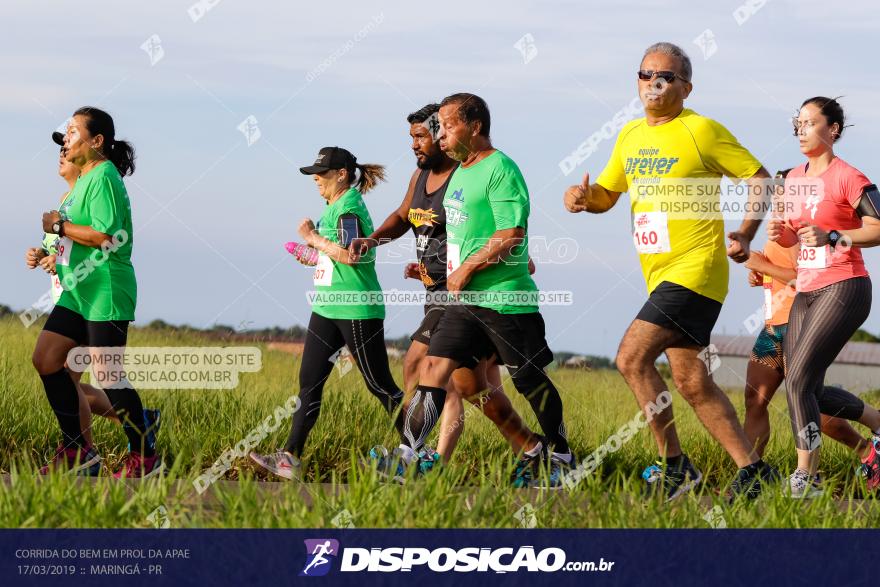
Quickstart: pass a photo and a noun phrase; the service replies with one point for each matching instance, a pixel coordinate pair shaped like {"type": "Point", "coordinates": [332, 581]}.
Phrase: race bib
{"type": "Point", "coordinates": [65, 245]}
{"type": "Point", "coordinates": [453, 258]}
{"type": "Point", "coordinates": [323, 271]}
{"type": "Point", "coordinates": [57, 290]}
{"type": "Point", "coordinates": [813, 257]}
{"type": "Point", "coordinates": [768, 297]}
{"type": "Point", "coordinates": [651, 233]}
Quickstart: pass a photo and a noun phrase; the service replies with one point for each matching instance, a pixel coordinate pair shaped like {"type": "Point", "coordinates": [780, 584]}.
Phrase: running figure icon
{"type": "Point", "coordinates": [319, 559]}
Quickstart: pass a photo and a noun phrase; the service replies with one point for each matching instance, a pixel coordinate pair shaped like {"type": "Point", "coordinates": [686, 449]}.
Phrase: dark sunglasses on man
{"type": "Point", "coordinates": [668, 76]}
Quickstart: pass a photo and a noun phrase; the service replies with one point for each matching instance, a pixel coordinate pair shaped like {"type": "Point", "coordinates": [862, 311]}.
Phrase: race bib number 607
{"type": "Point", "coordinates": [323, 271]}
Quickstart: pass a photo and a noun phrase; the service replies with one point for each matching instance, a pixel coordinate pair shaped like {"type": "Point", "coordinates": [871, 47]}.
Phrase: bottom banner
{"type": "Point", "coordinates": [360, 557]}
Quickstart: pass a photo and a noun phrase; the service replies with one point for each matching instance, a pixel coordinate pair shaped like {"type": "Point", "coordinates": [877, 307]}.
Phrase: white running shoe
{"type": "Point", "coordinates": [280, 463]}
{"type": "Point", "coordinates": [801, 486]}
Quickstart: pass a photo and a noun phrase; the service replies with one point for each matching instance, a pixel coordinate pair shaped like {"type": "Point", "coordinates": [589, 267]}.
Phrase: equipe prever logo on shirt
{"type": "Point", "coordinates": [321, 552]}
{"type": "Point", "coordinates": [648, 163]}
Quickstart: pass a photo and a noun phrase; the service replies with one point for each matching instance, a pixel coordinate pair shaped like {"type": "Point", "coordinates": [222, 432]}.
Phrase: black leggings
{"type": "Point", "coordinates": [366, 341]}
{"type": "Point", "coordinates": [61, 390]}
{"type": "Point", "coordinates": [820, 324]}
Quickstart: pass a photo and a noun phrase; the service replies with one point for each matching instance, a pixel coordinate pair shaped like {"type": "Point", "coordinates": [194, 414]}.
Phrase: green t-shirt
{"type": "Point", "coordinates": [50, 241]}
{"type": "Point", "coordinates": [50, 245]}
{"type": "Point", "coordinates": [99, 283]}
{"type": "Point", "coordinates": [480, 200]}
{"type": "Point", "coordinates": [347, 292]}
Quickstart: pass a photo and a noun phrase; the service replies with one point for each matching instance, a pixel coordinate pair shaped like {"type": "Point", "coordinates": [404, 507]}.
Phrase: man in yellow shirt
{"type": "Point", "coordinates": [666, 161]}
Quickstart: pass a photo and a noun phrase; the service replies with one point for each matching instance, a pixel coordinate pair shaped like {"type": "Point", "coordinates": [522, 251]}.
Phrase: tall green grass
{"type": "Point", "coordinates": [473, 491]}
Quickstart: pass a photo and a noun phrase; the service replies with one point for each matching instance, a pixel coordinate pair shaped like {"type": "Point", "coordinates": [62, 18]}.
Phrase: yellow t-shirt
{"type": "Point", "coordinates": [688, 250]}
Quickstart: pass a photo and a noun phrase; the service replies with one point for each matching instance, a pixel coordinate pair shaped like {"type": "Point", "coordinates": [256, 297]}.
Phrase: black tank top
{"type": "Point", "coordinates": [428, 220]}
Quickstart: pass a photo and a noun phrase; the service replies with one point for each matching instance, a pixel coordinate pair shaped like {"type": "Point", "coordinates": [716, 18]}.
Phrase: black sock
{"type": "Point", "coordinates": [544, 399]}
{"type": "Point", "coordinates": [421, 415]}
{"type": "Point", "coordinates": [127, 404]}
{"type": "Point", "coordinates": [63, 397]}
{"type": "Point", "coordinates": [675, 461]}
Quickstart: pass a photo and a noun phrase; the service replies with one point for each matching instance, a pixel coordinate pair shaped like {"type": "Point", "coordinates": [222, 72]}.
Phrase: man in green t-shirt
{"type": "Point", "coordinates": [487, 211]}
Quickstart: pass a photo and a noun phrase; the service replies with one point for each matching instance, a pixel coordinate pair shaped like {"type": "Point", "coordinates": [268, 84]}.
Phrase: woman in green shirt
{"type": "Point", "coordinates": [93, 263]}
{"type": "Point", "coordinates": [92, 400]}
{"type": "Point", "coordinates": [347, 306]}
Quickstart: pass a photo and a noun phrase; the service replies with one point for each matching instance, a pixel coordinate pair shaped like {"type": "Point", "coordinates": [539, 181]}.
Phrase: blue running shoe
{"type": "Point", "coordinates": [556, 470]}
{"type": "Point", "coordinates": [388, 466]}
{"type": "Point", "coordinates": [671, 481]}
{"type": "Point", "coordinates": [559, 468]}
{"type": "Point", "coordinates": [526, 470]}
{"type": "Point", "coordinates": [394, 467]}
{"type": "Point", "coordinates": [152, 421]}
{"type": "Point", "coordinates": [429, 459]}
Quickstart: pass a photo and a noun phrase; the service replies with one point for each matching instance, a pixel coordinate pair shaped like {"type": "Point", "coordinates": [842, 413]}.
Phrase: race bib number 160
{"type": "Point", "coordinates": [651, 233]}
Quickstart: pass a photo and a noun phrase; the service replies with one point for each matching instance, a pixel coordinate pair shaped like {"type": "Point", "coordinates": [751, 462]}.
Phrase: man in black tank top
{"type": "Point", "coordinates": [422, 212]}
{"type": "Point", "coordinates": [427, 217]}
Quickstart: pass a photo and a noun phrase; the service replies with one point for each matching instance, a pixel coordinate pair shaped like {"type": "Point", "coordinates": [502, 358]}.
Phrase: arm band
{"type": "Point", "coordinates": [349, 229]}
{"type": "Point", "coordinates": [869, 203]}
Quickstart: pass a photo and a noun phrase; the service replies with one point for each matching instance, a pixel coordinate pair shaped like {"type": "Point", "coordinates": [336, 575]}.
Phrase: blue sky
{"type": "Point", "coordinates": [211, 213]}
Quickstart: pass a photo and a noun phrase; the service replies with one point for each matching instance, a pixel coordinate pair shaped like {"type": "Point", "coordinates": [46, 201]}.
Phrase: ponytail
{"type": "Point", "coordinates": [121, 155]}
{"type": "Point", "coordinates": [369, 175]}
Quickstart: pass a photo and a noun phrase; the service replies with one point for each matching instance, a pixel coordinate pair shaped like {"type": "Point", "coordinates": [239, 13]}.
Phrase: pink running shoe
{"type": "Point", "coordinates": [871, 465]}
{"type": "Point", "coordinates": [83, 460]}
{"type": "Point", "coordinates": [137, 466]}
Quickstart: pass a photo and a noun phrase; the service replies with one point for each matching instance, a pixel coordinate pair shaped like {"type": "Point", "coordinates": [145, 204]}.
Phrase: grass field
{"type": "Point", "coordinates": [198, 426]}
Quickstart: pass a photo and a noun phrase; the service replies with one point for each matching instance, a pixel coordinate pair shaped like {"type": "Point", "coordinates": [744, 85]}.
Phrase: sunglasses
{"type": "Point", "coordinates": [668, 76]}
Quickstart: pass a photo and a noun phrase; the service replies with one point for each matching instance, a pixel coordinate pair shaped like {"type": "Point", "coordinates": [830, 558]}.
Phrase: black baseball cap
{"type": "Point", "coordinates": [330, 158]}
{"type": "Point", "coordinates": [58, 138]}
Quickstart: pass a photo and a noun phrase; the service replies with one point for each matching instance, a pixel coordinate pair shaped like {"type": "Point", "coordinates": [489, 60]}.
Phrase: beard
{"type": "Point", "coordinates": [431, 160]}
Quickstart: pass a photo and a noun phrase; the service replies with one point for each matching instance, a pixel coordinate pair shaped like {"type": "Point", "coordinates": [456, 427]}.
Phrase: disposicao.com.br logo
{"type": "Point", "coordinates": [318, 553]}
{"type": "Point", "coordinates": [442, 560]}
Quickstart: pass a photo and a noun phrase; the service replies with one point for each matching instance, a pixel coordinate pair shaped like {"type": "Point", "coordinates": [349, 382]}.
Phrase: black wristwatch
{"type": "Point", "coordinates": [58, 227]}
{"type": "Point", "coordinates": [834, 238]}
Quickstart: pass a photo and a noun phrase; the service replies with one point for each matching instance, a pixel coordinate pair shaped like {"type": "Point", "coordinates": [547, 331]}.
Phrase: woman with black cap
{"type": "Point", "coordinates": [347, 308]}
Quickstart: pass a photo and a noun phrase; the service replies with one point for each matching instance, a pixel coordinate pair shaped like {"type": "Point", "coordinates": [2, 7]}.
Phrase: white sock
{"type": "Point", "coordinates": [535, 451]}
{"type": "Point", "coordinates": [563, 456]}
{"type": "Point", "coordinates": [407, 454]}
